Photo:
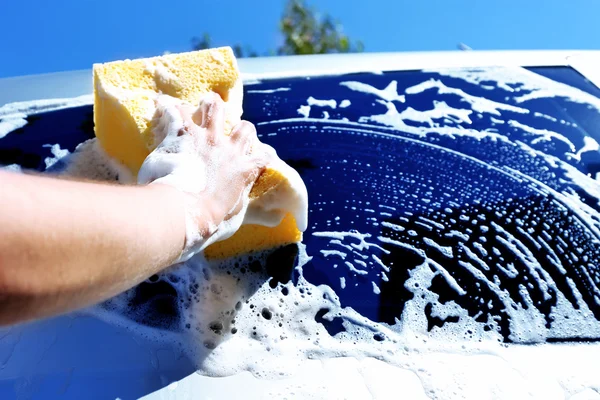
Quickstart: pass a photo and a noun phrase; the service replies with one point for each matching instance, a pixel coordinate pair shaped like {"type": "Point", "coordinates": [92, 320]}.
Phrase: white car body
{"type": "Point", "coordinates": [92, 351]}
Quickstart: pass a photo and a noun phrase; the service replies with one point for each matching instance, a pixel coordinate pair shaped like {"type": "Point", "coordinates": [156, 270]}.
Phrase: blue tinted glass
{"type": "Point", "coordinates": [484, 179]}
{"type": "Point", "coordinates": [481, 175]}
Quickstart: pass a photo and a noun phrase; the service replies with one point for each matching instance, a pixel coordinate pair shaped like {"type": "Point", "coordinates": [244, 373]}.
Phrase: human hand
{"type": "Point", "coordinates": [215, 172]}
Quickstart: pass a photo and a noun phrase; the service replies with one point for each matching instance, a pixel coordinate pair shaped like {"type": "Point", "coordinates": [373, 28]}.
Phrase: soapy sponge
{"type": "Point", "coordinates": [124, 93]}
{"type": "Point", "coordinates": [124, 106]}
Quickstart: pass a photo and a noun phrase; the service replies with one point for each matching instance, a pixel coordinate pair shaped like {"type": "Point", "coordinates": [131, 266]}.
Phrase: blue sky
{"type": "Point", "coordinates": [47, 36]}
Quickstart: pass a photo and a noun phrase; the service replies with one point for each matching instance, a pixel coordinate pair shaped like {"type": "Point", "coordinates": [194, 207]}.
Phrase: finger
{"type": "Point", "coordinates": [186, 111]}
{"type": "Point", "coordinates": [241, 130]}
{"type": "Point", "coordinates": [246, 138]}
{"type": "Point", "coordinates": [262, 154]}
{"type": "Point", "coordinates": [257, 163]}
{"type": "Point", "coordinates": [211, 116]}
{"type": "Point", "coordinates": [204, 104]}
{"type": "Point", "coordinates": [236, 210]}
{"type": "Point", "coordinates": [252, 177]}
{"type": "Point", "coordinates": [258, 166]}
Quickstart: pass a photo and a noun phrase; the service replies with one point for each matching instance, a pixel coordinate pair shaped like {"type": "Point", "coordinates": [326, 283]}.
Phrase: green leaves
{"type": "Point", "coordinates": [202, 43]}
{"type": "Point", "coordinates": [304, 32]}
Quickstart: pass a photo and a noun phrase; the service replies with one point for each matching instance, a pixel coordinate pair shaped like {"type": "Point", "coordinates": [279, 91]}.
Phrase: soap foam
{"type": "Point", "coordinates": [175, 162]}
{"type": "Point", "coordinates": [57, 153]}
{"type": "Point", "coordinates": [12, 123]}
{"type": "Point", "coordinates": [33, 107]}
{"type": "Point", "coordinates": [233, 321]}
{"type": "Point", "coordinates": [234, 317]}
{"type": "Point", "coordinates": [90, 162]}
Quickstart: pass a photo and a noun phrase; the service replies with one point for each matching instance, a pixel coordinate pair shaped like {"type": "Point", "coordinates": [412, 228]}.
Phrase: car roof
{"type": "Point", "coordinates": [77, 83]}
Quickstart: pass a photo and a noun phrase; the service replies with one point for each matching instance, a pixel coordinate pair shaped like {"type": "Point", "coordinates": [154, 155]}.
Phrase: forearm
{"type": "Point", "coordinates": [65, 245]}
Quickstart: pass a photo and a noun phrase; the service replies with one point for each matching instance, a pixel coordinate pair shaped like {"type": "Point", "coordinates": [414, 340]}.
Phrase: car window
{"type": "Point", "coordinates": [457, 191]}
{"type": "Point", "coordinates": [436, 197]}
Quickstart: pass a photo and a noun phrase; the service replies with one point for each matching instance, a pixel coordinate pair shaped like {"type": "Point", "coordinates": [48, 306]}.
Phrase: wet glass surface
{"type": "Point", "coordinates": [473, 190]}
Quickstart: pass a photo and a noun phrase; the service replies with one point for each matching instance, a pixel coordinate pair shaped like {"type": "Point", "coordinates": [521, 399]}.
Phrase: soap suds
{"type": "Point", "coordinates": [273, 321]}
{"type": "Point", "coordinates": [39, 106]}
{"type": "Point", "coordinates": [322, 103]}
{"type": "Point", "coordinates": [517, 80]}
{"type": "Point", "coordinates": [542, 134]}
{"type": "Point", "coordinates": [12, 168]}
{"type": "Point", "coordinates": [389, 93]}
{"type": "Point", "coordinates": [90, 161]}
{"type": "Point", "coordinates": [57, 152]}
{"type": "Point", "coordinates": [277, 334]}
{"type": "Point", "coordinates": [268, 91]}
{"type": "Point", "coordinates": [478, 104]}
{"type": "Point", "coordinates": [304, 111]}
{"type": "Point", "coordinates": [11, 123]}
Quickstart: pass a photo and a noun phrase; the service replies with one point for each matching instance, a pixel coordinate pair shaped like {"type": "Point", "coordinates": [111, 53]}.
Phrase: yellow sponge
{"type": "Point", "coordinates": [124, 93]}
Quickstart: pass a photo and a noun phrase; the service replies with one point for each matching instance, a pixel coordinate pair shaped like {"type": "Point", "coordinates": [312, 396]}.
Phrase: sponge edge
{"type": "Point", "coordinates": [254, 237]}
{"type": "Point", "coordinates": [124, 109]}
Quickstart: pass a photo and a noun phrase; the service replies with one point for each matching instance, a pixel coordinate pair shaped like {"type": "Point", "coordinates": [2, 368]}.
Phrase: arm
{"type": "Point", "coordinates": [67, 244]}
